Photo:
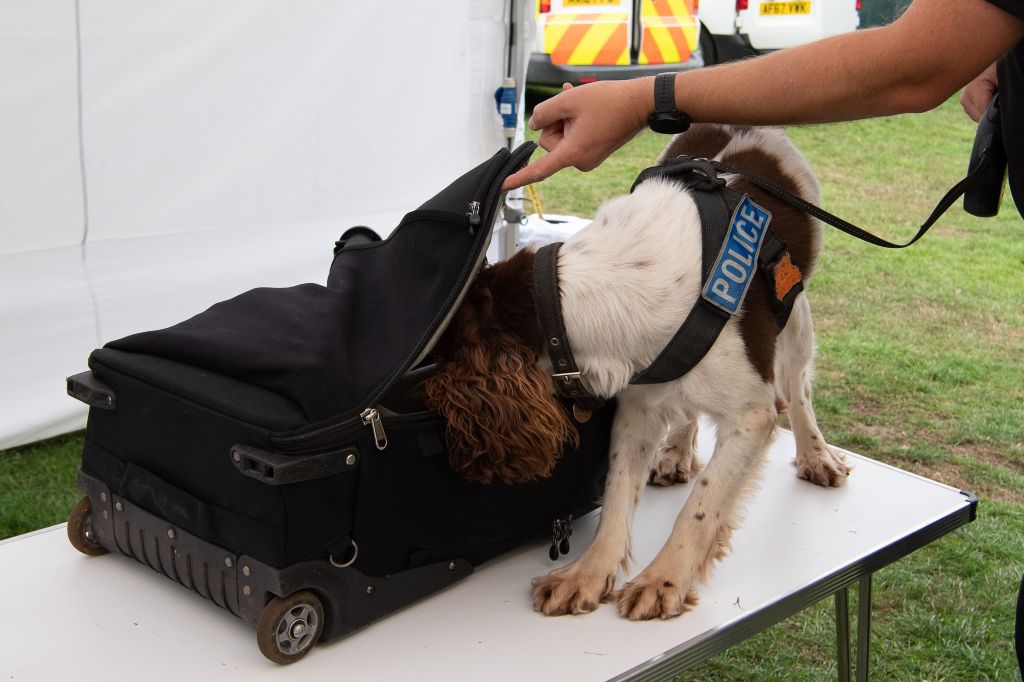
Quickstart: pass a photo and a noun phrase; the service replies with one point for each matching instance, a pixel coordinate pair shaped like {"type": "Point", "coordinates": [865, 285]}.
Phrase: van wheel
{"type": "Point", "coordinates": [707, 47]}
{"type": "Point", "coordinates": [289, 628]}
{"type": "Point", "coordinates": [81, 534]}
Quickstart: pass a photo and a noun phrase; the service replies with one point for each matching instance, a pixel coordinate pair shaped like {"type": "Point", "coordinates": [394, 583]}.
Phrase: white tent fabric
{"type": "Point", "coordinates": [160, 157]}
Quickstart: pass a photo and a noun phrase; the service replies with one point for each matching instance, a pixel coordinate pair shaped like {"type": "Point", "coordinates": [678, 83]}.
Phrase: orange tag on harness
{"type": "Point", "coordinates": [787, 276]}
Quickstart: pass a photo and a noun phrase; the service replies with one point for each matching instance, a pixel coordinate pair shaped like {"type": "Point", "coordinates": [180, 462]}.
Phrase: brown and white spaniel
{"type": "Point", "coordinates": [627, 281]}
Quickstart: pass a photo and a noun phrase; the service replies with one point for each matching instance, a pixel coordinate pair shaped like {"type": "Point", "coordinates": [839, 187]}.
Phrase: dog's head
{"type": "Point", "coordinates": [503, 419]}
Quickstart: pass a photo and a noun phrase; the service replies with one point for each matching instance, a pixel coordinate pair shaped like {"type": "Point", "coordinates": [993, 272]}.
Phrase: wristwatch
{"type": "Point", "coordinates": [666, 118]}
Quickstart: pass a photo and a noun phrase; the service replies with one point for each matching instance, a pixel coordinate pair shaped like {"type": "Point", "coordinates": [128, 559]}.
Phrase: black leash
{"type": "Point", "coordinates": [821, 214]}
{"type": "Point", "coordinates": [982, 186]}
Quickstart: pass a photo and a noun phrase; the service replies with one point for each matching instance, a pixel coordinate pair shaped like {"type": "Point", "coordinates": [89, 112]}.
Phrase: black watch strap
{"type": "Point", "coordinates": [666, 118]}
{"type": "Point", "coordinates": [665, 93]}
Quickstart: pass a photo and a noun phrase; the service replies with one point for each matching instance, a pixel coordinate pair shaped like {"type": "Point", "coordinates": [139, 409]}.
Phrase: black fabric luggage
{"type": "Point", "coordinates": [274, 455]}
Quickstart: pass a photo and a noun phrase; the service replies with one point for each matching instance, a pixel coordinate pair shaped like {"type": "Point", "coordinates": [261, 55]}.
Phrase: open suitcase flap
{"type": "Point", "coordinates": [335, 350]}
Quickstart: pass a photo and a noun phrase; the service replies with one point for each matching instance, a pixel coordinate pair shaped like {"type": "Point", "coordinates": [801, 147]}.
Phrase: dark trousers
{"type": "Point", "coordinates": [1018, 629]}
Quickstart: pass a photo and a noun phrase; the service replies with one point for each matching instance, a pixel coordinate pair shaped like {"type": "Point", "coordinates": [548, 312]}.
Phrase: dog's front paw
{"type": "Point", "coordinates": [823, 466]}
{"type": "Point", "coordinates": [571, 591]}
{"type": "Point", "coordinates": [647, 597]}
{"type": "Point", "coordinates": [676, 465]}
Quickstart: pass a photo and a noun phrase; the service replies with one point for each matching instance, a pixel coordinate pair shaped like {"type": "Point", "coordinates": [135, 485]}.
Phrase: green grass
{"type": "Point", "coordinates": [38, 484]}
{"type": "Point", "coordinates": [919, 365]}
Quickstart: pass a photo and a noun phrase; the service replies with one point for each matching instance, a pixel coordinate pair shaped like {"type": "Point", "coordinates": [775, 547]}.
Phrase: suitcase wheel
{"type": "Point", "coordinates": [288, 628]}
{"type": "Point", "coordinates": [80, 530]}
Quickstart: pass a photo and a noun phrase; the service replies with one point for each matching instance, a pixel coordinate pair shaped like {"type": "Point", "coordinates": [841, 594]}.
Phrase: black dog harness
{"type": "Point", "coordinates": [736, 243]}
{"type": "Point", "coordinates": [727, 218]}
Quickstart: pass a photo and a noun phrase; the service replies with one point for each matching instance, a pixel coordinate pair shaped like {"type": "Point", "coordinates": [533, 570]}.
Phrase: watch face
{"type": "Point", "coordinates": [669, 123]}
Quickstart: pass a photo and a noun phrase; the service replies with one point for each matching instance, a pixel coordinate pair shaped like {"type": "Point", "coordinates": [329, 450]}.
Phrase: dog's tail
{"type": "Point", "coordinates": [702, 140]}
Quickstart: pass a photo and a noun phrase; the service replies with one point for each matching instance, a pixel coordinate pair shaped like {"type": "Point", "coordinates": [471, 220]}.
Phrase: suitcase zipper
{"type": "Point", "coordinates": [322, 438]}
{"type": "Point", "coordinates": [480, 211]}
{"type": "Point", "coordinates": [331, 435]}
{"type": "Point", "coordinates": [345, 432]}
{"type": "Point", "coordinates": [371, 418]}
{"type": "Point", "coordinates": [483, 211]}
{"type": "Point", "coordinates": [377, 417]}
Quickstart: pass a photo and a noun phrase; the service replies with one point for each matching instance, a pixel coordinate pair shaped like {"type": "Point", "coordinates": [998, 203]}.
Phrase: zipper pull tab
{"type": "Point", "coordinates": [371, 418]}
{"type": "Point", "coordinates": [556, 536]}
{"type": "Point", "coordinates": [474, 216]}
{"type": "Point", "coordinates": [561, 529]}
{"type": "Point", "coordinates": [563, 546]}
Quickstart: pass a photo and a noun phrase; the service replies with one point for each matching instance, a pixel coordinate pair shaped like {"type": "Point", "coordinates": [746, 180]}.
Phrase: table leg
{"type": "Point", "coordinates": [843, 634]}
{"type": "Point", "coordinates": [863, 627]}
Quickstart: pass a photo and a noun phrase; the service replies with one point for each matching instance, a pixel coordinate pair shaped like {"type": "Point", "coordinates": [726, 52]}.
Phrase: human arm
{"type": "Point", "coordinates": [911, 65]}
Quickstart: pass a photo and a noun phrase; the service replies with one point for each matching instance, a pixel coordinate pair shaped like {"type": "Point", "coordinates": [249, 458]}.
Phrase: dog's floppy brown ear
{"type": "Point", "coordinates": [502, 421]}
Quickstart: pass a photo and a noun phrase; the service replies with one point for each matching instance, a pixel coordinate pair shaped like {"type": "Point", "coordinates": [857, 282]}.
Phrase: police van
{"type": "Point", "coordinates": [580, 41]}
{"type": "Point", "coordinates": [738, 28]}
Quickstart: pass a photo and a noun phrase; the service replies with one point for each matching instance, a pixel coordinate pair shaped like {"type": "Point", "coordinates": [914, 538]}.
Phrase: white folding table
{"type": "Point", "coordinates": [67, 616]}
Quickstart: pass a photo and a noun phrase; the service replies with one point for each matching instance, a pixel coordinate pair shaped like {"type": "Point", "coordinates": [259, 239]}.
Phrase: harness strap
{"type": "Point", "coordinates": [785, 282]}
{"type": "Point", "coordinates": [704, 323]}
{"type": "Point", "coordinates": [717, 205]}
{"type": "Point", "coordinates": [569, 382]}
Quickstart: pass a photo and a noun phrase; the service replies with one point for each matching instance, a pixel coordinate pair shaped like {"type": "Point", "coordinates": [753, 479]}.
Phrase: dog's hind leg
{"type": "Point", "coordinates": [815, 460]}
{"type": "Point", "coordinates": [703, 528]}
{"type": "Point", "coordinates": [583, 584]}
{"type": "Point", "coordinates": [677, 460]}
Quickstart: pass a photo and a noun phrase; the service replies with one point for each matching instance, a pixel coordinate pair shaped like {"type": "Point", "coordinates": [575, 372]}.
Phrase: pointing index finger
{"type": "Point", "coordinates": [539, 170]}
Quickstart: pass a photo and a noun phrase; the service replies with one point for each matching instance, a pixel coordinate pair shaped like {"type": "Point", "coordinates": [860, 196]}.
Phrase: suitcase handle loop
{"type": "Point", "coordinates": [355, 553]}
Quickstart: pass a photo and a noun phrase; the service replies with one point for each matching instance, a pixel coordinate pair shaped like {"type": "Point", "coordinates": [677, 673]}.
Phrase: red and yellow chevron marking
{"type": "Point", "coordinates": [669, 31]}
{"type": "Point", "coordinates": [587, 39]}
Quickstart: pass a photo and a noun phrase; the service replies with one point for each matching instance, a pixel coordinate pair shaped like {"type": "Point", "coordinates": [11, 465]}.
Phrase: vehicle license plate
{"type": "Point", "coordinates": [588, 3]}
{"type": "Point", "coordinates": [785, 8]}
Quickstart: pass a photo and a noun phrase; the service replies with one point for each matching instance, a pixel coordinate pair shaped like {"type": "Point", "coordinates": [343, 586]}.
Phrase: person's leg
{"type": "Point", "coordinates": [1018, 630]}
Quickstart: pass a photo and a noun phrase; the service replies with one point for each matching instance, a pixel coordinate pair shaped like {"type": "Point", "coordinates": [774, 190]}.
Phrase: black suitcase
{"type": "Point", "coordinates": [273, 453]}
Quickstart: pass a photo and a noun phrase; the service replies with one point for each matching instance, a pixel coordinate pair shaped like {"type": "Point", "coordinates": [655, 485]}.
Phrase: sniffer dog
{"type": "Point", "coordinates": [626, 283]}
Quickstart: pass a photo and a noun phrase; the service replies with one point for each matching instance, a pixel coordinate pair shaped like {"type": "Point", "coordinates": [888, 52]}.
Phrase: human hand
{"type": "Point", "coordinates": [978, 93]}
{"type": "Point", "coordinates": [582, 126]}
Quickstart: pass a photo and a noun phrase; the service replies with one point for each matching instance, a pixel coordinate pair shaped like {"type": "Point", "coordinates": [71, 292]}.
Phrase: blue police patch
{"type": "Point", "coordinates": [737, 261]}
